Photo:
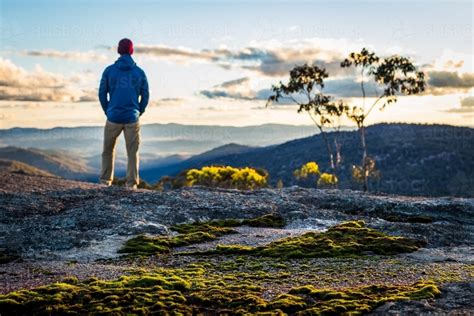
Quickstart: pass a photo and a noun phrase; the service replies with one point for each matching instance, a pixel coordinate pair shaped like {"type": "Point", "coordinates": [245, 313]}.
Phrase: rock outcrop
{"type": "Point", "coordinates": [59, 230]}
{"type": "Point", "coordinates": [54, 218]}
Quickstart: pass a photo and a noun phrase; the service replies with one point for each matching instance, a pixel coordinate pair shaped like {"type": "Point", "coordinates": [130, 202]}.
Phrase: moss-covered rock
{"type": "Point", "coordinates": [274, 220]}
{"type": "Point", "coordinates": [146, 245]}
{"type": "Point", "coordinates": [362, 300]}
{"type": "Point", "coordinates": [194, 291]}
{"type": "Point", "coordinates": [194, 233]}
{"type": "Point", "coordinates": [268, 220]}
{"type": "Point", "coordinates": [346, 239]}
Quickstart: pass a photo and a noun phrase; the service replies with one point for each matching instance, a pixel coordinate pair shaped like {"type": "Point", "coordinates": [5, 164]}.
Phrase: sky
{"type": "Point", "coordinates": [213, 62]}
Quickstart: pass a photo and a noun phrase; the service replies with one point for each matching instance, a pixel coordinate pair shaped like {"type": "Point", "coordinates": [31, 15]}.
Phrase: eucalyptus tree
{"type": "Point", "coordinates": [392, 76]}
{"type": "Point", "coordinates": [305, 88]}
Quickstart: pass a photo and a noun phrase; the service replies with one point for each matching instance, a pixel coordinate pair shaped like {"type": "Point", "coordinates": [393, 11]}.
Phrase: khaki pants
{"type": "Point", "coordinates": [132, 140]}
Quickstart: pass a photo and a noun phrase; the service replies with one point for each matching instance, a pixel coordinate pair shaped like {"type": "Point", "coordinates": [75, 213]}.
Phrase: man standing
{"type": "Point", "coordinates": [127, 87]}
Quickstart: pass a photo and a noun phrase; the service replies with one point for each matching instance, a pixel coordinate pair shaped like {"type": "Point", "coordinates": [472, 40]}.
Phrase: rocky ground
{"type": "Point", "coordinates": [57, 228]}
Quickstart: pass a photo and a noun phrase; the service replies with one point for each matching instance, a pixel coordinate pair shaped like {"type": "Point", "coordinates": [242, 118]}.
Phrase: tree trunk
{"type": "Point", "coordinates": [329, 149]}
{"type": "Point", "coordinates": [328, 145]}
{"type": "Point", "coordinates": [365, 170]}
{"type": "Point", "coordinates": [338, 159]}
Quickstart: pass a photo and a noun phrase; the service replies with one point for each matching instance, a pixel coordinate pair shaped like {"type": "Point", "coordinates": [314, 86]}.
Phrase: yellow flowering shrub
{"type": "Point", "coordinates": [307, 169]}
{"type": "Point", "coordinates": [327, 180]}
{"type": "Point", "coordinates": [227, 177]}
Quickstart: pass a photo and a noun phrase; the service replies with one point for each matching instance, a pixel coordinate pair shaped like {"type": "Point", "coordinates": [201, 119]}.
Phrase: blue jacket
{"type": "Point", "coordinates": [124, 81]}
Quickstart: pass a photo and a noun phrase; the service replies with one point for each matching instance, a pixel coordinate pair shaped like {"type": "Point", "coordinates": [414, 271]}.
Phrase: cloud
{"type": "Point", "coordinates": [450, 73]}
{"type": "Point", "coordinates": [453, 64]}
{"type": "Point", "coordinates": [17, 84]}
{"type": "Point", "coordinates": [468, 103]}
{"type": "Point", "coordinates": [89, 56]}
{"type": "Point", "coordinates": [267, 59]}
{"type": "Point", "coordinates": [166, 102]}
{"type": "Point", "coordinates": [234, 89]}
{"type": "Point", "coordinates": [274, 59]}
{"type": "Point", "coordinates": [241, 89]}
{"type": "Point", "coordinates": [22, 105]}
{"type": "Point", "coordinates": [5, 117]}
{"type": "Point", "coordinates": [453, 61]}
{"type": "Point", "coordinates": [89, 95]}
{"type": "Point", "coordinates": [450, 79]}
{"type": "Point", "coordinates": [349, 87]}
{"type": "Point", "coordinates": [467, 106]}
{"type": "Point", "coordinates": [175, 52]}
{"type": "Point", "coordinates": [446, 82]}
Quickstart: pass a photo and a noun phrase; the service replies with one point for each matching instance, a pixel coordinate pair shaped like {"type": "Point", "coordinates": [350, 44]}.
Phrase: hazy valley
{"type": "Point", "coordinates": [432, 160]}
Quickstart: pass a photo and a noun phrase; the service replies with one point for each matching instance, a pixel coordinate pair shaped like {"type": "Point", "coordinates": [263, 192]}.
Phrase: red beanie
{"type": "Point", "coordinates": [125, 46]}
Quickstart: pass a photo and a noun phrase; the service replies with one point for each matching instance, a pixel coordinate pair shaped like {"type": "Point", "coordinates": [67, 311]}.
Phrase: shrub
{"type": "Point", "coordinates": [327, 180]}
{"type": "Point", "coordinates": [309, 168]}
{"type": "Point", "coordinates": [227, 177]}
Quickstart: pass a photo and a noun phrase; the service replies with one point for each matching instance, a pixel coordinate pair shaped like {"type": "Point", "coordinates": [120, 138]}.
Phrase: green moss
{"type": "Point", "coordinates": [234, 249]}
{"type": "Point", "coordinates": [343, 240]}
{"type": "Point", "coordinates": [288, 303]}
{"type": "Point", "coordinates": [206, 226]}
{"type": "Point", "coordinates": [70, 280]}
{"type": "Point", "coordinates": [145, 245]}
{"type": "Point", "coordinates": [363, 299]}
{"type": "Point", "coordinates": [394, 217]}
{"type": "Point", "coordinates": [247, 285]}
{"type": "Point", "coordinates": [195, 291]}
{"type": "Point", "coordinates": [144, 293]}
{"type": "Point", "coordinates": [194, 233]}
{"type": "Point", "coordinates": [269, 220]}
{"type": "Point", "coordinates": [428, 290]}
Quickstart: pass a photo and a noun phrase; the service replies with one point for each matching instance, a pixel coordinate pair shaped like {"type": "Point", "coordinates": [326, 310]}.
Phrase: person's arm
{"type": "Point", "coordinates": [144, 94]}
{"type": "Point", "coordinates": [103, 90]}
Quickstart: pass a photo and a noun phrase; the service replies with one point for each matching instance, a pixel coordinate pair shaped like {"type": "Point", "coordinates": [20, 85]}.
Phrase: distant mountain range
{"type": "Point", "coordinates": [55, 163]}
{"type": "Point", "coordinates": [7, 166]}
{"type": "Point", "coordinates": [158, 140]}
{"type": "Point", "coordinates": [432, 160]}
{"type": "Point", "coordinates": [162, 144]}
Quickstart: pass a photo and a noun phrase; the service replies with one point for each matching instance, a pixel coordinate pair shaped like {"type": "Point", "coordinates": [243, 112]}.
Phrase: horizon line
{"type": "Point", "coordinates": [242, 126]}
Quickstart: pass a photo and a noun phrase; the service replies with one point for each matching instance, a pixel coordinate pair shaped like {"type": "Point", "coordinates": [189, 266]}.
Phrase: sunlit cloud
{"type": "Point", "coordinates": [446, 82]}
{"type": "Point", "coordinates": [167, 102]}
{"type": "Point", "coordinates": [270, 58]}
{"type": "Point", "coordinates": [21, 105]}
{"type": "Point", "coordinates": [239, 89]}
{"type": "Point", "coordinates": [466, 106]}
{"type": "Point", "coordinates": [17, 84]}
{"type": "Point", "coordinates": [89, 56]}
{"type": "Point", "coordinates": [453, 61]}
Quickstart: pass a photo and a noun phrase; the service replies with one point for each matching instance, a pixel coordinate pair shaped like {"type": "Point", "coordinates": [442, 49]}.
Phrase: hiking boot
{"type": "Point", "coordinates": [131, 186]}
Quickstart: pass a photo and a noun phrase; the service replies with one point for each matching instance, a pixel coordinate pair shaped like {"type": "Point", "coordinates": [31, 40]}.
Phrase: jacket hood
{"type": "Point", "coordinates": [125, 62]}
